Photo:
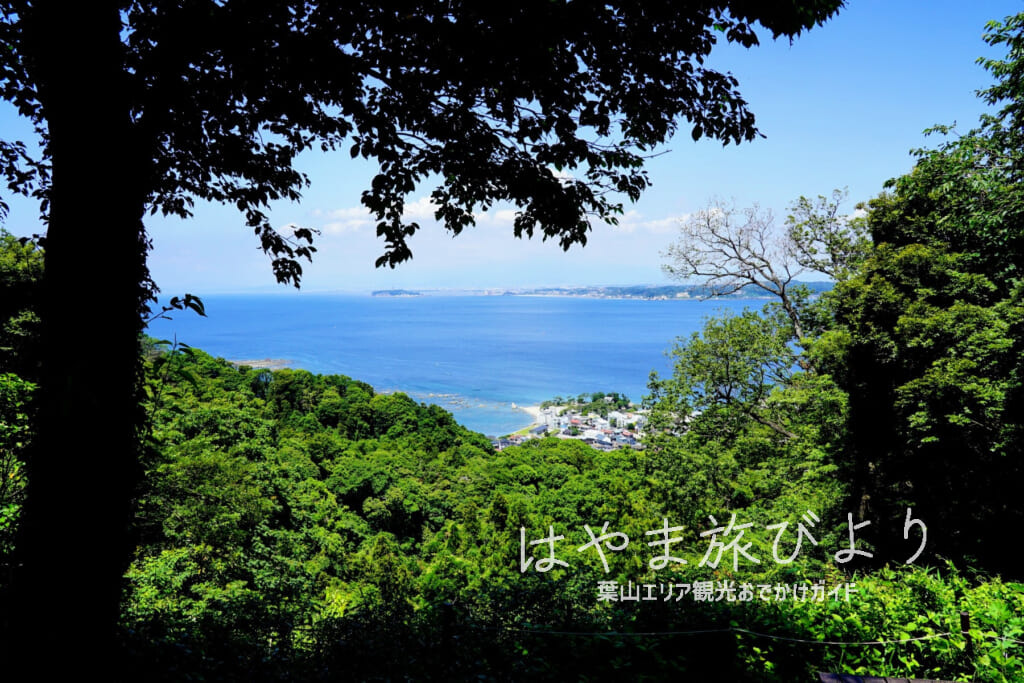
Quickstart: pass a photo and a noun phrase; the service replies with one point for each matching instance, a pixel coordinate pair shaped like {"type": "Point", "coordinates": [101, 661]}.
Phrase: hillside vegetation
{"type": "Point", "coordinates": [831, 483]}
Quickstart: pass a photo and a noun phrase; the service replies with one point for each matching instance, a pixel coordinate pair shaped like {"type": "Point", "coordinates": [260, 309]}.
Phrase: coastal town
{"type": "Point", "coordinates": [603, 421]}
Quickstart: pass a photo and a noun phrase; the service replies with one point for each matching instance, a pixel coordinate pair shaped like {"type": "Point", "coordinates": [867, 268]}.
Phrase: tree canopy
{"type": "Point", "coordinates": [931, 329]}
{"type": "Point", "coordinates": [299, 526]}
{"type": "Point", "coordinates": [219, 98]}
{"type": "Point", "coordinates": [550, 106]}
{"type": "Point", "coordinates": [919, 342]}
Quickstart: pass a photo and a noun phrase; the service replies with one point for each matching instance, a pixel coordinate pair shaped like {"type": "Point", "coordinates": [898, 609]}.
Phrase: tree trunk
{"type": "Point", "coordinates": [83, 466]}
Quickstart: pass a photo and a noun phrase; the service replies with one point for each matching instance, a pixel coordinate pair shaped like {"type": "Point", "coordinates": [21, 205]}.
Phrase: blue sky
{"type": "Point", "coordinates": [841, 107]}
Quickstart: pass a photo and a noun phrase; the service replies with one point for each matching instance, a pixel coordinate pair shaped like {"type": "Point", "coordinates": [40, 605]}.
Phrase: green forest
{"type": "Point", "coordinates": [830, 483]}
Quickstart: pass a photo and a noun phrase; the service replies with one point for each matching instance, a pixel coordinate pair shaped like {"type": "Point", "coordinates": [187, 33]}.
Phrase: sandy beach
{"type": "Point", "coordinates": [264, 363]}
{"type": "Point", "coordinates": [534, 412]}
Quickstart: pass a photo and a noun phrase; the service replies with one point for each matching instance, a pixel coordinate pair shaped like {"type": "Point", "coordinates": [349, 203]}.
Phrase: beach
{"type": "Point", "coordinates": [534, 412]}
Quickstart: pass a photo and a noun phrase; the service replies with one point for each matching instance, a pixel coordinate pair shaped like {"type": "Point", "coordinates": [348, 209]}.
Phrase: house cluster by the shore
{"type": "Point", "coordinates": [621, 428]}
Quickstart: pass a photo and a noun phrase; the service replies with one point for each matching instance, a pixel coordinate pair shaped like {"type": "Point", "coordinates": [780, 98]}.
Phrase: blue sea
{"type": "Point", "coordinates": [479, 357]}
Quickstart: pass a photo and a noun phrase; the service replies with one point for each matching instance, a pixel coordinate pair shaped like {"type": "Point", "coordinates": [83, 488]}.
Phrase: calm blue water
{"type": "Point", "coordinates": [472, 355]}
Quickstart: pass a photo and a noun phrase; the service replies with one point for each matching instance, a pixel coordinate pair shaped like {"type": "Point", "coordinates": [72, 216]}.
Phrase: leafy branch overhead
{"type": "Point", "coordinates": [550, 106]}
{"type": "Point", "coordinates": [189, 301]}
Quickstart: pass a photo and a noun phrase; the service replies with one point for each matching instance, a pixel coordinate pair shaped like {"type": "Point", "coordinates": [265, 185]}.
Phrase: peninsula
{"type": "Point", "coordinates": [645, 292]}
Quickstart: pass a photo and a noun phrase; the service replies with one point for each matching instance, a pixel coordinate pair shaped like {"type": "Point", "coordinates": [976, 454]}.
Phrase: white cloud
{"type": "Point", "coordinates": [420, 210]}
{"type": "Point", "coordinates": [345, 220]}
{"type": "Point", "coordinates": [564, 176]}
{"type": "Point", "coordinates": [633, 221]}
{"type": "Point", "coordinates": [354, 218]}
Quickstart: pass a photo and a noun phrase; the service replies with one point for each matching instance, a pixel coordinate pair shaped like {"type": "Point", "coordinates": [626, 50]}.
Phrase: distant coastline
{"type": "Point", "coordinates": [643, 292]}
{"type": "Point", "coordinates": [476, 354]}
{"type": "Point", "coordinates": [263, 363]}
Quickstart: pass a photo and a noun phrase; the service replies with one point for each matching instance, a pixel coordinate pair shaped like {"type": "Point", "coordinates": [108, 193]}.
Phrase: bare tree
{"type": "Point", "coordinates": [733, 249]}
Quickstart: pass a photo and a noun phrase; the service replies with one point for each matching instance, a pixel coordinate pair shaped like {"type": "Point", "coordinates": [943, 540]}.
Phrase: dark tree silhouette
{"type": "Point", "coordinates": [143, 107]}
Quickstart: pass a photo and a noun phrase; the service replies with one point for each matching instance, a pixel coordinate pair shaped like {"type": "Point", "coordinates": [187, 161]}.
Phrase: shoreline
{"type": "Point", "coordinates": [452, 404]}
{"type": "Point", "coordinates": [533, 411]}
{"type": "Point", "coordinates": [263, 363]}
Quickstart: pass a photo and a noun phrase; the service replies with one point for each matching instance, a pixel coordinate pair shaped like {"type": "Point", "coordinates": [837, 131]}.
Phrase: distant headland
{"type": "Point", "coordinates": [263, 363]}
{"type": "Point", "coordinates": [646, 292]}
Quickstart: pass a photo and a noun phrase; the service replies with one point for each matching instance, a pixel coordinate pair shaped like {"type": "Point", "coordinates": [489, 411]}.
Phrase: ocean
{"type": "Point", "coordinates": [480, 357]}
